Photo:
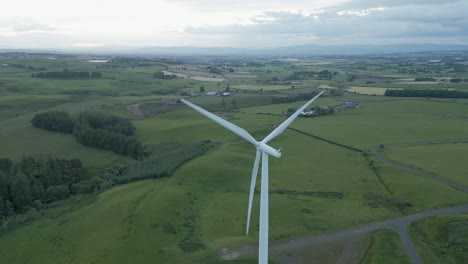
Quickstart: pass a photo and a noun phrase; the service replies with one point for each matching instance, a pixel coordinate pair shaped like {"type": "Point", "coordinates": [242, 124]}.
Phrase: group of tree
{"type": "Point", "coordinates": [31, 68]}
{"type": "Point", "coordinates": [95, 130]}
{"type": "Point", "coordinates": [107, 132]}
{"type": "Point", "coordinates": [304, 75]}
{"type": "Point", "coordinates": [31, 182]}
{"type": "Point", "coordinates": [457, 80]}
{"type": "Point", "coordinates": [292, 98]}
{"type": "Point", "coordinates": [324, 110]}
{"type": "Point", "coordinates": [319, 111]}
{"type": "Point", "coordinates": [66, 74]}
{"type": "Point", "coordinates": [161, 75]}
{"type": "Point", "coordinates": [425, 79]}
{"type": "Point", "coordinates": [426, 93]}
{"type": "Point", "coordinates": [55, 121]}
{"type": "Point", "coordinates": [214, 70]}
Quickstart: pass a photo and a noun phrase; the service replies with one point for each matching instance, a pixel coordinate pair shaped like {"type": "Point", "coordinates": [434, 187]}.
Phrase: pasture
{"type": "Point", "coordinates": [442, 239]}
{"type": "Point", "coordinates": [317, 187]}
{"type": "Point", "coordinates": [385, 248]}
{"type": "Point", "coordinates": [443, 160]}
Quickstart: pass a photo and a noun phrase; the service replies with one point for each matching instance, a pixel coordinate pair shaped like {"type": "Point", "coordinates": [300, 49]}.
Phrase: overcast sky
{"type": "Point", "coordinates": [240, 23]}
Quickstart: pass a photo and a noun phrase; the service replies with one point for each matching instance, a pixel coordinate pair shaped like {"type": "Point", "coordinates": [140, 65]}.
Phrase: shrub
{"type": "Point", "coordinates": [191, 244]}
{"type": "Point", "coordinates": [58, 192]}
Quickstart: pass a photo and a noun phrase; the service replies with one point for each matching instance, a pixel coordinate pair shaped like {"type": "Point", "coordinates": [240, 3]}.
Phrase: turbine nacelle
{"type": "Point", "coordinates": [269, 150]}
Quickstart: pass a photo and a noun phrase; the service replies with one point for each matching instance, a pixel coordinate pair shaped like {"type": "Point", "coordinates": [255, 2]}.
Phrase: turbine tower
{"type": "Point", "coordinates": [264, 151]}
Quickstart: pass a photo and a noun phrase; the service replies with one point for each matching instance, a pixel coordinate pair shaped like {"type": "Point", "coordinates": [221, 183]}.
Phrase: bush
{"type": "Point", "coordinates": [191, 244]}
{"type": "Point", "coordinates": [58, 192]}
{"type": "Point", "coordinates": [12, 221]}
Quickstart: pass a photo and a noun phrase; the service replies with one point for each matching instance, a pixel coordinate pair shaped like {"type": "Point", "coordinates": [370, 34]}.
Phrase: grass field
{"type": "Point", "coordinates": [406, 187]}
{"type": "Point", "coordinates": [444, 160]}
{"type": "Point", "coordinates": [386, 248]}
{"type": "Point", "coordinates": [390, 121]}
{"type": "Point", "coordinates": [280, 109]}
{"type": "Point", "coordinates": [215, 198]}
{"type": "Point", "coordinates": [442, 239]}
{"type": "Point", "coordinates": [316, 187]}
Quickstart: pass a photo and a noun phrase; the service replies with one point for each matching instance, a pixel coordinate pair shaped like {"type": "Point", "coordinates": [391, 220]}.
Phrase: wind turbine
{"type": "Point", "coordinates": [264, 150]}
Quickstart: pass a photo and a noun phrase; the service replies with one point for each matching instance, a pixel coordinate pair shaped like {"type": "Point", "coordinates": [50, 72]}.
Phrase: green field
{"type": "Point", "coordinates": [444, 160]}
{"type": "Point", "coordinates": [391, 121]}
{"type": "Point", "coordinates": [442, 239]}
{"type": "Point", "coordinates": [317, 187]}
{"type": "Point", "coordinates": [385, 248]}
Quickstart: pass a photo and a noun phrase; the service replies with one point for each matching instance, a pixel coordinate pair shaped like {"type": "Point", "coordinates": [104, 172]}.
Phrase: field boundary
{"type": "Point", "coordinates": [326, 140]}
{"type": "Point", "coordinates": [398, 166]}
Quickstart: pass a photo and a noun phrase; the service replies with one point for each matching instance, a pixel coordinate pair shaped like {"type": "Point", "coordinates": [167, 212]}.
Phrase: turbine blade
{"type": "Point", "coordinates": [252, 187]}
{"type": "Point", "coordinates": [288, 121]}
{"type": "Point", "coordinates": [235, 129]}
{"type": "Point", "coordinates": [263, 236]}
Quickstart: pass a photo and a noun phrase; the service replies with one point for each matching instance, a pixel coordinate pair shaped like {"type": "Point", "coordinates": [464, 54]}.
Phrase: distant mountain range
{"type": "Point", "coordinates": [303, 50]}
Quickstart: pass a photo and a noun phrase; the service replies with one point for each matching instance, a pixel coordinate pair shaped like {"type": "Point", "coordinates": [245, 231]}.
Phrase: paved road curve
{"type": "Point", "coordinates": [400, 225]}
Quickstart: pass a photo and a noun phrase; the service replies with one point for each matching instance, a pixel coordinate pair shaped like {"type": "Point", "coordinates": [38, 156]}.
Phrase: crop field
{"type": "Point", "coordinates": [369, 90]}
{"type": "Point", "coordinates": [327, 181]}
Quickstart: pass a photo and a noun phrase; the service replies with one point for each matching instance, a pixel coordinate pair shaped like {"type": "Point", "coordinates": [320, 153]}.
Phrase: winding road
{"type": "Point", "coordinates": [416, 172]}
{"type": "Point", "coordinates": [399, 225]}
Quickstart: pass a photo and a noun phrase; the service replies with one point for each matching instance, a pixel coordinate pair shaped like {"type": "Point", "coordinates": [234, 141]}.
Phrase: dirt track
{"type": "Point", "coordinates": [136, 112]}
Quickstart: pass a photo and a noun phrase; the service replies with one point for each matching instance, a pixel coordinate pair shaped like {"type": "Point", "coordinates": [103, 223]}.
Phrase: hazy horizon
{"type": "Point", "coordinates": [52, 24]}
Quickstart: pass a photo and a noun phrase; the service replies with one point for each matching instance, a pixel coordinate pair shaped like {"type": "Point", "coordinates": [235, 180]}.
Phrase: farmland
{"type": "Point", "coordinates": [326, 181]}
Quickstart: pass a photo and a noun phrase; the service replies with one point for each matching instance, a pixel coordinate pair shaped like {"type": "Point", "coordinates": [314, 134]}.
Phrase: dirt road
{"type": "Point", "coordinates": [136, 111]}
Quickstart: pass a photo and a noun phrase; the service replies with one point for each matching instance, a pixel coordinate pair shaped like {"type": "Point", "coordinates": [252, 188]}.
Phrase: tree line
{"type": "Point", "coordinates": [95, 130]}
{"type": "Point", "coordinates": [292, 98]}
{"type": "Point", "coordinates": [161, 75]}
{"type": "Point", "coordinates": [304, 75]}
{"type": "Point", "coordinates": [426, 93]}
{"type": "Point", "coordinates": [66, 74]}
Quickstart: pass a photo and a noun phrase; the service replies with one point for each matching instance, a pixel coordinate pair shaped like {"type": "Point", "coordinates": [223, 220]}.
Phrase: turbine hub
{"type": "Point", "coordinates": [269, 150]}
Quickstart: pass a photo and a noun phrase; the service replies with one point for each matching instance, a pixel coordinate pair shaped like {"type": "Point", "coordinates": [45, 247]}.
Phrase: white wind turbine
{"type": "Point", "coordinates": [265, 150]}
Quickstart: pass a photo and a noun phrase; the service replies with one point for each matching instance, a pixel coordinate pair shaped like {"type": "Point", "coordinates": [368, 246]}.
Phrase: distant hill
{"type": "Point", "coordinates": [305, 50]}
{"type": "Point", "coordinates": [302, 50]}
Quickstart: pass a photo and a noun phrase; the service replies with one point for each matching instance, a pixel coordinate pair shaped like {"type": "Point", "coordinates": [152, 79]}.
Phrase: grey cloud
{"type": "Point", "coordinates": [356, 4]}
{"type": "Point", "coordinates": [408, 20]}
